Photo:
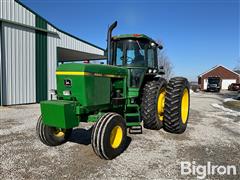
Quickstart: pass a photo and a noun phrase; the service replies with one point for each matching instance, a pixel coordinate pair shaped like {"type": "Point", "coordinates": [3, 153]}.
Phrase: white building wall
{"type": "Point", "coordinates": [19, 54]}
{"type": "Point", "coordinates": [63, 41]}
{"type": "Point", "coordinates": [19, 51]}
{"type": "Point", "coordinates": [205, 82]}
{"type": "Point", "coordinates": [13, 11]}
{"type": "Point", "coordinates": [52, 61]}
{"type": "Point", "coordinates": [227, 82]}
{"type": "Point", "coordinates": [19, 65]}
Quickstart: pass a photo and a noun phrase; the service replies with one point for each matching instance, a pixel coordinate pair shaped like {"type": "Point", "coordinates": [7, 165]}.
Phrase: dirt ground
{"type": "Point", "coordinates": [213, 134]}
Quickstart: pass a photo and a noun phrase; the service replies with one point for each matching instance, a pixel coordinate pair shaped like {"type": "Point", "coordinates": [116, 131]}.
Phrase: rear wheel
{"type": "Point", "coordinates": [52, 136]}
{"type": "Point", "coordinates": [109, 136]}
{"type": "Point", "coordinates": [152, 107]}
{"type": "Point", "coordinates": [176, 109]}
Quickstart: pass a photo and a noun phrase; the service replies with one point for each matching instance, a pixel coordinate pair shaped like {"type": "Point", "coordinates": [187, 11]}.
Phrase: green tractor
{"type": "Point", "coordinates": [124, 94]}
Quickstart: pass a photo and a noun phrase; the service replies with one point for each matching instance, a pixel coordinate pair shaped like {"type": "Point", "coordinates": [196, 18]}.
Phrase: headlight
{"type": "Point", "coordinates": [154, 71]}
{"type": "Point", "coordinates": [53, 92]}
{"type": "Point", "coordinates": [150, 71]}
{"type": "Point", "coordinates": [66, 93]}
{"type": "Point", "coordinates": [153, 44]}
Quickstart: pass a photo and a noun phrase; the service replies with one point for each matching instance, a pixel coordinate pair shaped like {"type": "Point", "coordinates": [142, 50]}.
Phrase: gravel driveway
{"type": "Point", "coordinates": [213, 135]}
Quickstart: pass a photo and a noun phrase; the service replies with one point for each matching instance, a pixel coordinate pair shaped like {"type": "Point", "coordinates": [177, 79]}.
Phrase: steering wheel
{"type": "Point", "coordinates": [129, 59]}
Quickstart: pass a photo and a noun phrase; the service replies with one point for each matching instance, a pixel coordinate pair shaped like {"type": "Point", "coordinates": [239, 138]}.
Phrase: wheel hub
{"type": "Point", "coordinates": [116, 137]}
{"type": "Point", "coordinates": [185, 106]}
{"type": "Point", "coordinates": [160, 104]}
{"type": "Point", "coordinates": [59, 132]}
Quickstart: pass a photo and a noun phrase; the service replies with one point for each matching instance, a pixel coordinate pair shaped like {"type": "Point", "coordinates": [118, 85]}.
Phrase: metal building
{"type": "Point", "coordinates": [30, 49]}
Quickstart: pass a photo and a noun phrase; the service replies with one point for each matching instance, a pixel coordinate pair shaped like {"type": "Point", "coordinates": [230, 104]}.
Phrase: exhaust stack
{"type": "Point", "coordinates": [109, 37]}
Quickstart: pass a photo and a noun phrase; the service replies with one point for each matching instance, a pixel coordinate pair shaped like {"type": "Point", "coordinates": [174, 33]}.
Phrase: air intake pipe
{"type": "Point", "coordinates": [109, 37]}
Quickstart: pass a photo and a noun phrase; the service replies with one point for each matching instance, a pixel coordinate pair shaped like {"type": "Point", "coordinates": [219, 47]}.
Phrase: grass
{"type": "Point", "coordinates": [234, 105]}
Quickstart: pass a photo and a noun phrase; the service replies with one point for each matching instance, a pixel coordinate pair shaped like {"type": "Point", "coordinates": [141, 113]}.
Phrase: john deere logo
{"type": "Point", "coordinates": [67, 82]}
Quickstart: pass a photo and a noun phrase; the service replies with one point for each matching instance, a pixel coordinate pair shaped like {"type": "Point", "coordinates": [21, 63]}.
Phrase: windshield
{"type": "Point", "coordinates": [213, 81]}
{"type": "Point", "coordinates": [134, 53]}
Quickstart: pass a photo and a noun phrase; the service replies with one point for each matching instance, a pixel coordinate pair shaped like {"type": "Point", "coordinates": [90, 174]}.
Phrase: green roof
{"type": "Point", "coordinates": [133, 36]}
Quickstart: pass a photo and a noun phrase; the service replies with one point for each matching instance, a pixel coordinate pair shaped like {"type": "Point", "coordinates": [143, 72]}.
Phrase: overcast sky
{"type": "Point", "coordinates": [197, 34]}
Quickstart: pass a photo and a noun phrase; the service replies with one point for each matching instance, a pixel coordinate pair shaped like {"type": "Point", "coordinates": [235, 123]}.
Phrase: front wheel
{"type": "Point", "coordinates": [52, 136]}
{"type": "Point", "coordinates": [109, 136]}
{"type": "Point", "coordinates": [176, 109]}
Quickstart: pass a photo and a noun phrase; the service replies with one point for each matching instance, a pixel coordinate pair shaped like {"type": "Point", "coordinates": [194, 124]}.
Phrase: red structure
{"type": "Point", "coordinates": [227, 76]}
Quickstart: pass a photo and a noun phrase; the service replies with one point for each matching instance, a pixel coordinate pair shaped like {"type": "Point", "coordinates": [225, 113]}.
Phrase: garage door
{"type": "Point", "coordinates": [227, 82]}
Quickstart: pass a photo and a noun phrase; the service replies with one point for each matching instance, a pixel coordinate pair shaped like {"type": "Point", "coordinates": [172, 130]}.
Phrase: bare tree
{"type": "Point", "coordinates": [237, 67]}
{"type": "Point", "coordinates": [165, 63]}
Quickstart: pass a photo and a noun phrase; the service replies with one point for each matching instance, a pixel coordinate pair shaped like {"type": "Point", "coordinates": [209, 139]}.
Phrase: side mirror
{"type": "Point", "coordinates": [161, 70]}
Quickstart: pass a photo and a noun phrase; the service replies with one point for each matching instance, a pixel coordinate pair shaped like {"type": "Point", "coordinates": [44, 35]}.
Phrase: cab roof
{"type": "Point", "coordinates": [133, 36]}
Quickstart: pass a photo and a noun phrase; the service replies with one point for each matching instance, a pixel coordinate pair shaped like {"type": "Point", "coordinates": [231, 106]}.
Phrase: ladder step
{"type": "Point", "coordinates": [132, 114]}
{"type": "Point", "coordinates": [132, 105]}
{"type": "Point", "coordinates": [133, 124]}
{"type": "Point", "coordinates": [135, 130]}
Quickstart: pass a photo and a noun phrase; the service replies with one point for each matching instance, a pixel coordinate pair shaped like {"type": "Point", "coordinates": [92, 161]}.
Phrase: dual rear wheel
{"type": "Point", "coordinates": [166, 104]}
{"type": "Point", "coordinates": [152, 107]}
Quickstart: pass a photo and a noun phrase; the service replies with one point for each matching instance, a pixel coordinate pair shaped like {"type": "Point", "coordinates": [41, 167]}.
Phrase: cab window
{"type": "Point", "coordinates": [150, 57]}
{"type": "Point", "coordinates": [119, 54]}
{"type": "Point", "coordinates": [133, 52]}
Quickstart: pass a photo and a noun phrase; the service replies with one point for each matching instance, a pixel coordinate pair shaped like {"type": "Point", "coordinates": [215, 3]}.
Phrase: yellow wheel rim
{"type": "Point", "coordinates": [59, 132]}
{"type": "Point", "coordinates": [185, 106]}
{"type": "Point", "coordinates": [116, 137]}
{"type": "Point", "coordinates": [160, 104]}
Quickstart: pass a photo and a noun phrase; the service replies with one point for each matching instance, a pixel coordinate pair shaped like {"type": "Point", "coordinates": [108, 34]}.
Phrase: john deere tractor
{"type": "Point", "coordinates": [126, 93]}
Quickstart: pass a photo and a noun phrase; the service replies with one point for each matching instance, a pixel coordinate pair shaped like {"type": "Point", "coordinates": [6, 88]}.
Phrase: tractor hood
{"type": "Point", "coordinates": [91, 70]}
{"type": "Point", "coordinates": [88, 84]}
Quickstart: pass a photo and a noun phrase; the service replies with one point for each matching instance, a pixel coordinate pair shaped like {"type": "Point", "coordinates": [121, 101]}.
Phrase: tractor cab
{"type": "Point", "coordinates": [136, 52]}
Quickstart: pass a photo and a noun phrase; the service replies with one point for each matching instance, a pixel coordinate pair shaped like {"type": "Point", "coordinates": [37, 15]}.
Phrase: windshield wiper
{"type": "Point", "coordinates": [139, 47]}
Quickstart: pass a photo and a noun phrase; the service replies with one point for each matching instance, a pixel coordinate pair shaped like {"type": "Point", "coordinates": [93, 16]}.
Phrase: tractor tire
{"type": "Point", "coordinates": [52, 136]}
{"type": "Point", "coordinates": [176, 109]}
{"type": "Point", "coordinates": [153, 93]}
{"type": "Point", "coordinates": [109, 136]}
